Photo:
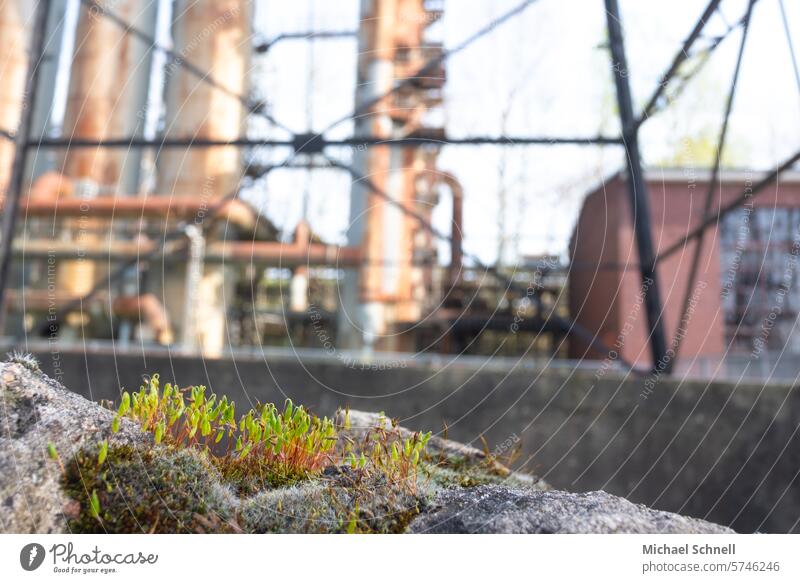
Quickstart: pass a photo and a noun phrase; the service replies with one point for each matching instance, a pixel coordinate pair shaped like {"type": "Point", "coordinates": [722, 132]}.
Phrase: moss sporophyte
{"type": "Point", "coordinates": [277, 446]}
{"type": "Point", "coordinates": [287, 444]}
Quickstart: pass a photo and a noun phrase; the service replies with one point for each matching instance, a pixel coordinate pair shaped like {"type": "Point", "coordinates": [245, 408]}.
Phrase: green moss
{"type": "Point", "coordinates": [155, 490]}
{"type": "Point", "coordinates": [267, 447]}
{"type": "Point", "coordinates": [25, 359]}
{"type": "Point", "coordinates": [251, 475]}
{"type": "Point", "coordinates": [272, 471]}
{"type": "Point", "coordinates": [168, 489]}
{"type": "Point", "coordinates": [392, 515]}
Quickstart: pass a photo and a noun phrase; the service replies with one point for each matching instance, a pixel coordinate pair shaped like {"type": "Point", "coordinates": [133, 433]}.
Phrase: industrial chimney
{"type": "Point", "coordinates": [213, 36]}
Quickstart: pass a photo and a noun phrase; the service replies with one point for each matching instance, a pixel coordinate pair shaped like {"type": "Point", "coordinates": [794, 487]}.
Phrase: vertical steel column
{"type": "Point", "coordinates": [14, 193]}
{"type": "Point", "coordinates": [42, 122]}
{"type": "Point", "coordinates": [637, 187]}
{"type": "Point", "coordinates": [362, 314]}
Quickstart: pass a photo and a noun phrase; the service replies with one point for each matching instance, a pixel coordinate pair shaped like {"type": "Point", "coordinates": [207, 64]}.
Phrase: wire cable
{"type": "Point", "coordinates": [258, 109]}
{"type": "Point", "coordinates": [679, 59]}
{"type": "Point", "coordinates": [712, 186]}
{"type": "Point", "coordinates": [748, 193]}
{"type": "Point", "coordinates": [703, 58]}
{"type": "Point", "coordinates": [791, 45]}
{"type": "Point", "coordinates": [432, 64]}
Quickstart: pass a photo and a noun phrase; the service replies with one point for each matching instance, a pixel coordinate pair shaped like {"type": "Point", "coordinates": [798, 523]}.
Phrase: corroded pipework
{"type": "Point", "coordinates": [456, 251]}
{"type": "Point", "coordinates": [148, 310]}
{"type": "Point", "coordinates": [52, 196]}
{"type": "Point", "coordinates": [391, 289]}
{"type": "Point", "coordinates": [214, 37]}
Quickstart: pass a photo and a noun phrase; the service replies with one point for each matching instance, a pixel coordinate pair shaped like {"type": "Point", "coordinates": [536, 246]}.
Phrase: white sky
{"type": "Point", "coordinates": [549, 58]}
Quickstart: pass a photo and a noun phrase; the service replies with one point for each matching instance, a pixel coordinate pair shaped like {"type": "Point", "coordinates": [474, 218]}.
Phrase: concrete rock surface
{"type": "Point", "coordinates": [468, 493]}
{"type": "Point", "coordinates": [38, 415]}
{"type": "Point", "coordinates": [498, 509]}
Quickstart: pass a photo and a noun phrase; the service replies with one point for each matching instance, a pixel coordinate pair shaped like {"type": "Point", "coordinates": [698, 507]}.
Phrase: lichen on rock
{"type": "Point", "coordinates": [338, 502]}
{"type": "Point", "coordinates": [155, 489]}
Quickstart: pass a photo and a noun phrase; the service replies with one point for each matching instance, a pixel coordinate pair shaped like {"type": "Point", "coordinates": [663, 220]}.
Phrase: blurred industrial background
{"type": "Point", "coordinates": [572, 223]}
{"type": "Point", "coordinates": [164, 200]}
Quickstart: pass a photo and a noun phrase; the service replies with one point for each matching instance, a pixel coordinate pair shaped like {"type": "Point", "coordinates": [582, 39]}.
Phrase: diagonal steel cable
{"type": "Point", "coordinates": [749, 192]}
{"type": "Point", "coordinates": [432, 64]}
{"type": "Point", "coordinates": [703, 57]}
{"type": "Point", "coordinates": [257, 109]}
{"type": "Point", "coordinates": [429, 66]}
{"type": "Point", "coordinates": [792, 53]}
{"type": "Point", "coordinates": [712, 186]}
{"type": "Point", "coordinates": [678, 60]}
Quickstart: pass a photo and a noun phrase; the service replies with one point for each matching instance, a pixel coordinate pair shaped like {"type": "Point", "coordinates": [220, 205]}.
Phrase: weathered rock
{"type": "Point", "coordinates": [37, 414]}
{"type": "Point", "coordinates": [360, 422]}
{"type": "Point", "coordinates": [331, 504]}
{"type": "Point", "coordinates": [150, 488]}
{"type": "Point", "coordinates": [498, 509]}
{"type": "Point", "coordinates": [464, 457]}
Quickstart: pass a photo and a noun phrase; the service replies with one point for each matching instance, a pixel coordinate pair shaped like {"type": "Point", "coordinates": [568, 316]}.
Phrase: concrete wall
{"type": "Point", "coordinates": [729, 453]}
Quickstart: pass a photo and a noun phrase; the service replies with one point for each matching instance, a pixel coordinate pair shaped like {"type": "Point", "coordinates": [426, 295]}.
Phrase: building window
{"type": "Point", "coordinates": [760, 288]}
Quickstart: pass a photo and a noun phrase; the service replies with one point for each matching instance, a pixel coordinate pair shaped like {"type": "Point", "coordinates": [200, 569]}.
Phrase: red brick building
{"type": "Point", "coordinates": [747, 295]}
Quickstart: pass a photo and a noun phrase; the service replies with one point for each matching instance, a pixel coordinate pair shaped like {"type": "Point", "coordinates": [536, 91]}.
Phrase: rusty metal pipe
{"type": "Point", "coordinates": [146, 309]}
{"type": "Point", "coordinates": [152, 206]}
{"type": "Point", "coordinates": [286, 255]}
{"type": "Point", "coordinates": [51, 194]}
{"type": "Point", "coordinates": [258, 252]}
